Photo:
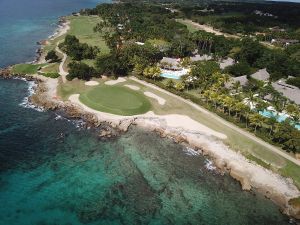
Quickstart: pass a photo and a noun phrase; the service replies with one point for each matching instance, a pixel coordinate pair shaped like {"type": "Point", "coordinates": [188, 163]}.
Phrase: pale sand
{"type": "Point", "coordinates": [173, 120]}
{"type": "Point", "coordinates": [210, 29]}
{"type": "Point", "coordinates": [91, 83]}
{"type": "Point", "coordinates": [113, 82]}
{"type": "Point", "coordinates": [133, 87]}
{"type": "Point", "coordinates": [199, 136]}
{"type": "Point", "coordinates": [160, 100]}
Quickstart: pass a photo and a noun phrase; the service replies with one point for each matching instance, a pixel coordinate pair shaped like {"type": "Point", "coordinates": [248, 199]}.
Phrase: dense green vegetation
{"type": "Point", "coordinates": [78, 51]}
{"type": "Point", "coordinates": [116, 100]}
{"type": "Point", "coordinates": [80, 70]}
{"type": "Point", "coordinates": [139, 35]}
{"type": "Point", "coordinates": [245, 17]}
{"type": "Point", "coordinates": [52, 56]}
{"type": "Point", "coordinates": [294, 81]}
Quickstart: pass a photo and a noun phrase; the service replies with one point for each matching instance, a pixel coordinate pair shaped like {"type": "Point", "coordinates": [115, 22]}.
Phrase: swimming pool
{"type": "Point", "coordinates": [279, 118]}
{"type": "Point", "coordinates": [171, 76]}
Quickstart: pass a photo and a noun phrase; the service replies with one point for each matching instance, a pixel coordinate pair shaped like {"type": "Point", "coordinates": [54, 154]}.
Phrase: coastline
{"type": "Point", "coordinates": [252, 177]}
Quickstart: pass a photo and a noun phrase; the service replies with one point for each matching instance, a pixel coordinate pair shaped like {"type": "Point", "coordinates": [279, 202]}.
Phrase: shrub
{"type": "Point", "coordinates": [51, 56]}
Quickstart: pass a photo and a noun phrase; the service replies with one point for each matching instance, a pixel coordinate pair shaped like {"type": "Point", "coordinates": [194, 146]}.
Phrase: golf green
{"type": "Point", "coordinates": [116, 100]}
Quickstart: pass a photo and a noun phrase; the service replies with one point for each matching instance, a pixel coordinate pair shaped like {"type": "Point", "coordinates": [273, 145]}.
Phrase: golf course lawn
{"type": "Point", "coordinates": [116, 100]}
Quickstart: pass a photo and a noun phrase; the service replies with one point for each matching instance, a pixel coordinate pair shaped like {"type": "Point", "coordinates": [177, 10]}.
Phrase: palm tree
{"type": "Point", "coordinates": [271, 122]}
{"type": "Point", "coordinates": [256, 120]}
{"type": "Point", "coordinates": [238, 108]}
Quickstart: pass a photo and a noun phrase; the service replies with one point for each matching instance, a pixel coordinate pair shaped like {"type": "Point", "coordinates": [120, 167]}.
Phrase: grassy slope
{"type": "Point", "coordinates": [82, 28]}
{"type": "Point", "coordinates": [26, 68]}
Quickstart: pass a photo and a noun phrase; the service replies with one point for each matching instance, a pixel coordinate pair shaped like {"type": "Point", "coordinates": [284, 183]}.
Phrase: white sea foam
{"type": "Point", "coordinates": [191, 152]}
{"type": "Point", "coordinates": [209, 165]}
{"type": "Point", "coordinates": [26, 103]}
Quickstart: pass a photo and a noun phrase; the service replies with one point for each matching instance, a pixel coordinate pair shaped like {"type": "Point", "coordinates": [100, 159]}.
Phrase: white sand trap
{"type": "Point", "coordinates": [91, 83]}
{"type": "Point", "coordinates": [133, 87]}
{"type": "Point", "coordinates": [113, 82]}
{"type": "Point", "coordinates": [160, 100]}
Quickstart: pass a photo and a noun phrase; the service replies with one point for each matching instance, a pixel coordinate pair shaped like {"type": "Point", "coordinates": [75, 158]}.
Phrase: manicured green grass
{"type": "Point", "coordinates": [26, 68]}
{"type": "Point", "coordinates": [82, 28]}
{"type": "Point", "coordinates": [51, 68]}
{"type": "Point", "coordinates": [116, 100]}
{"type": "Point", "coordinates": [293, 171]}
{"type": "Point", "coordinates": [259, 161]}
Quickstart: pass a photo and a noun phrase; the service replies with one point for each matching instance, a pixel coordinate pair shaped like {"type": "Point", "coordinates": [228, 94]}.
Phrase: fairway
{"type": "Point", "coordinates": [116, 100]}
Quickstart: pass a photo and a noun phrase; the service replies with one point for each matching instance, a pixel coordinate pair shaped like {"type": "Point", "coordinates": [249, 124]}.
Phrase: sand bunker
{"type": "Point", "coordinates": [160, 100]}
{"type": "Point", "coordinates": [91, 83]}
{"type": "Point", "coordinates": [133, 87]}
{"type": "Point", "coordinates": [113, 82]}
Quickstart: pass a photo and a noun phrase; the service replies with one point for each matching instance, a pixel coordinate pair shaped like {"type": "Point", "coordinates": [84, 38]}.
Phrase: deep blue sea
{"type": "Point", "coordinates": [24, 22]}
{"type": "Point", "coordinates": [58, 171]}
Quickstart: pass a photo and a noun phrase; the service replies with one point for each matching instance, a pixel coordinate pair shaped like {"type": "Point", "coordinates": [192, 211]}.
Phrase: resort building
{"type": "Point", "coordinates": [171, 68]}
{"type": "Point", "coordinates": [261, 75]}
{"type": "Point", "coordinates": [289, 91]}
{"type": "Point", "coordinates": [200, 58]}
{"type": "Point", "coordinates": [226, 62]}
{"type": "Point", "coordinates": [284, 42]}
{"type": "Point", "coordinates": [170, 64]}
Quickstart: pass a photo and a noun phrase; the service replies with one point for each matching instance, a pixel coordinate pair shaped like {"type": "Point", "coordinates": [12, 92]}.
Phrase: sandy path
{"type": "Point", "coordinates": [113, 82]}
{"type": "Point", "coordinates": [62, 31]}
{"type": "Point", "coordinates": [91, 83]}
{"type": "Point", "coordinates": [133, 87]}
{"type": "Point", "coordinates": [172, 120]}
{"type": "Point", "coordinates": [62, 72]}
{"type": "Point", "coordinates": [160, 100]}
{"type": "Point", "coordinates": [209, 29]}
{"type": "Point", "coordinates": [224, 122]}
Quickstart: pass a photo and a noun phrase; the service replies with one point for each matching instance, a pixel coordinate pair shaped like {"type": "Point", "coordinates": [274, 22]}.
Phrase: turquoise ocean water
{"type": "Point", "coordinates": [57, 171]}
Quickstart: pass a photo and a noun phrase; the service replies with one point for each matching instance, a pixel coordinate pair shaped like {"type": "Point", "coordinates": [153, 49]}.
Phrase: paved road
{"type": "Point", "coordinates": [224, 122]}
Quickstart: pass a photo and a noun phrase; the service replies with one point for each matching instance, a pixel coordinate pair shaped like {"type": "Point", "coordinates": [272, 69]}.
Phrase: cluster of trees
{"type": "Point", "coordinates": [52, 57]}
{"type": "Point", "coordinates": [252, 55]}
{"type": "Point", "coordinates": [294, 81]}
{"type": "Point", "coordinates": [210, 84]}
{"type": "Point", "coordinates": [239, 17]}
{"type": "Point", "coordinates": [80, 70]}
{"type": "Point", "coordinates": [78, 51]}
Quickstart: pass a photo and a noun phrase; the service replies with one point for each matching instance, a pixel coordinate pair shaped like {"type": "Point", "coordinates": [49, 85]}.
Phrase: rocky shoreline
{"type": "Point", "coordinates": [252, 177]}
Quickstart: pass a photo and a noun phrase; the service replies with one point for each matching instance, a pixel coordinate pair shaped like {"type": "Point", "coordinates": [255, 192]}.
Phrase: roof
{"type": "Point", "coordinates": [242, 79]}
{"type": "Point", "coordinates": [262, 75]}
{"type": "Point", "coordinates": [200, 58]}
{"type": "Point", "coordinates": [172, 62]}
{"type": "Point", "coordinates": [226, 62]}
{"type": "Point", "coordinates": [289, 91]}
